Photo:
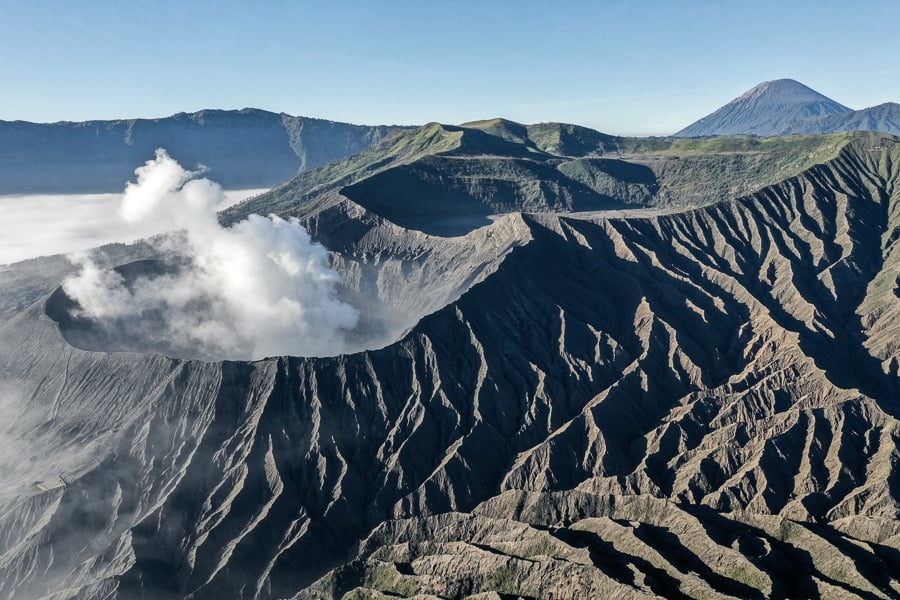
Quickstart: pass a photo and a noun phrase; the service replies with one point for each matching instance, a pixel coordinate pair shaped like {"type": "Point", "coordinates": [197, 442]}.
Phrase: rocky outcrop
{"type": "Point", "coordinates": [771, 108]}
{"type": "Point", "coordinates": [577, 545]}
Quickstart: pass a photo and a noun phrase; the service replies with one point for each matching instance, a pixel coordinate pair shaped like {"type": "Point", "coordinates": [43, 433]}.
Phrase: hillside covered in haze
{"type": "Point", "coordinates": [241, 149]}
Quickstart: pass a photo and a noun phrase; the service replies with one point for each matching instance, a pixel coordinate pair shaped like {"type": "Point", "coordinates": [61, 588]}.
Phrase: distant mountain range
{"type": "Point", "coordinates": [784, 107]}
{"type": "Point", "coordinates": [241, 149]}
{"type": "Point", "coordinates": [251, 148]}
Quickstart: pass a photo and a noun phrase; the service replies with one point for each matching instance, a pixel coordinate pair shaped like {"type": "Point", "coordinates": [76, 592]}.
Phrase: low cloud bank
{"type": "Point", "coordinates": [260, 288]}
{"type": "Point", "coordinates": [47, 224]}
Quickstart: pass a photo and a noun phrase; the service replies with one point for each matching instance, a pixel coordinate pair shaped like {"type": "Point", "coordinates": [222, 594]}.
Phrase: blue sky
{"type": "Point", "coordinates": [632, 67]}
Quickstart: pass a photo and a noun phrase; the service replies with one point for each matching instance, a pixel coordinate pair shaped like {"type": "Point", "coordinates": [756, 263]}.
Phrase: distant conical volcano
{"type": "Point", "coordinates": [771, 108]}
{"type": "Point", "coordinates": [784, 107]}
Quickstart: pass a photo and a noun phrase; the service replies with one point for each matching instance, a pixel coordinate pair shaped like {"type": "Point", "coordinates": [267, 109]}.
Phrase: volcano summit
{"type": "Point", "coordinates": [786, 107]}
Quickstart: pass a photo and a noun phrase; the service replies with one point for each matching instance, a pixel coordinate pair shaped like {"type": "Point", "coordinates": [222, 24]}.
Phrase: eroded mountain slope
{"type": "Point", "coordinates": [627, 398]}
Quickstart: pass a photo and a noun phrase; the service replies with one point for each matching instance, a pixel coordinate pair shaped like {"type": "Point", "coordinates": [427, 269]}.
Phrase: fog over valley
{"type": "Point", "coordinates": [45, 224]}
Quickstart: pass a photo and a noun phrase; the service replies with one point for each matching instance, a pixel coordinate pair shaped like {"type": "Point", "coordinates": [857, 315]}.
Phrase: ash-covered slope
{"type": "Point", "coordinates": [703, 403]}
{"type": "Point", "coordinates": [246, 148]}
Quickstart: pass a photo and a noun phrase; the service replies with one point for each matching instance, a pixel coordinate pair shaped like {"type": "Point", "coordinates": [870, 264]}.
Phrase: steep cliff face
{"type": "Point", "coordinates": [701, 403]}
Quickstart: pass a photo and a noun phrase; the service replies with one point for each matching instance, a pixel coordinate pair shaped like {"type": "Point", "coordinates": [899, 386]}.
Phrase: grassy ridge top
{"type": "Point", "coordinates": [412, 167]}
{"type": "Point", "coordinates": [554, 138]}
{"type": "Point", "coordinates": [820, 147]}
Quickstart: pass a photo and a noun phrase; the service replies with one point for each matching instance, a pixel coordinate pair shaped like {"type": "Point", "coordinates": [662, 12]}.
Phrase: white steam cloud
{"type": "Point", "coordinates": [261, 288]}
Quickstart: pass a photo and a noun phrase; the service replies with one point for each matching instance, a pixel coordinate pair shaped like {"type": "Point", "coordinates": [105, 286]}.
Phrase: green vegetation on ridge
{"type": "Point", "coordinates": [440, 172]}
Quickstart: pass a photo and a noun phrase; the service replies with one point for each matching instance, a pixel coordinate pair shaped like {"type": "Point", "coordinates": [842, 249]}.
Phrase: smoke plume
{"type": "Point", "coordinates": [260, 288]}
